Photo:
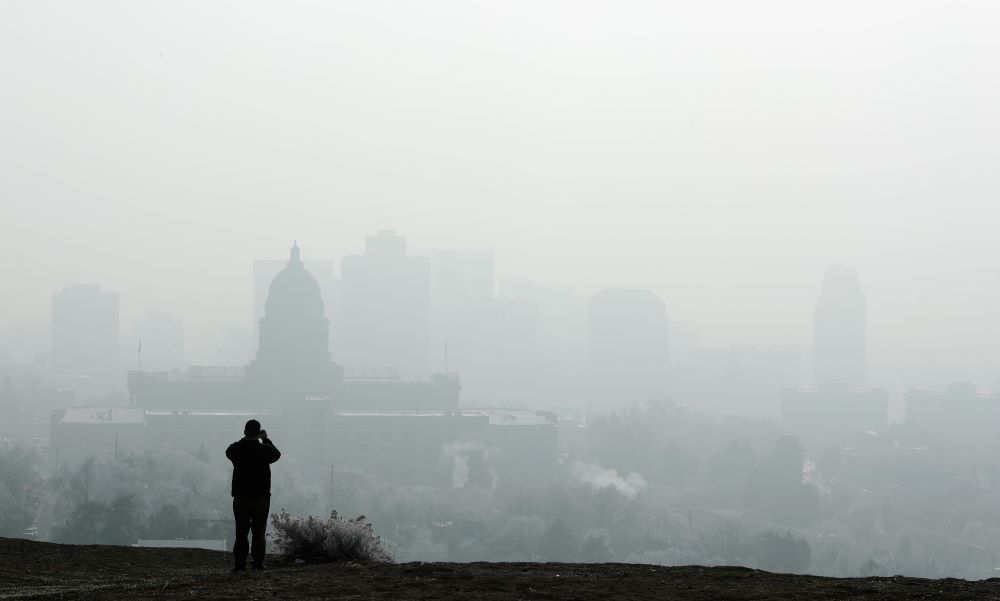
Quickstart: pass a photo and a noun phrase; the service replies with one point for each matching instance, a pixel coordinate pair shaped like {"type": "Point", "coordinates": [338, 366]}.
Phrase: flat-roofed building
{"type": "Point", "coordinates": [833, 410]}
{"type": "Point", "coordinates": [441, 448]}
{"type": "Point", "coordinates": [85, 327]}
{"type": "Point", "coordinates": [961, 413]}
{"type": "Point", "coordinates": [78, 432]}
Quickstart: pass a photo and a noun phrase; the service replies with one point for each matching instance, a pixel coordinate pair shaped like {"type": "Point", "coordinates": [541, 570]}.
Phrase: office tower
{"type": "Point", "coordinates": [458, 278]}
{"type": "Point", "coordinates": [495, 350]}
{"type": "Point", "coordinates": [832, 411]}
{"type": "Point", "coordinates": [385, 309]}
{"type": "Point", "coordinates": [85, 331]}
{"type": "Point", "coordinates": [839, 329]}
{"type": "Point", "coordinates": [562, 320]}
{"type": "Point", "coordinates": [628, 353]}
{"type": "Point", "coordinates": [459, 275]}
{"type": "Point", "coordinates": [562, 341]}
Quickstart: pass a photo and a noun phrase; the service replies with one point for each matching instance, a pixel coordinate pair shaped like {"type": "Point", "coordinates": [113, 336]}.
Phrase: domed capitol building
{"type": "Point", "coordinates": [389, 428]}
{"type": "Point", "coordinates": [292, 367]}
{"type": "Point", "coordinates": [293, 358]}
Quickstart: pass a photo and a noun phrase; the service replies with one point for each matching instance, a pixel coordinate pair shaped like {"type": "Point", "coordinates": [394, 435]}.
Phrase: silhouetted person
{"type": "Point", "coordinates": [252, 457]}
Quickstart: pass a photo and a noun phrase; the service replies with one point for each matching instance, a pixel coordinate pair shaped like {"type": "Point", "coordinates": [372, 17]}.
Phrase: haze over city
{"type": "Point", "coordinates": [722, 156]}
{"type": "Point", "coordinates": [645, 282]}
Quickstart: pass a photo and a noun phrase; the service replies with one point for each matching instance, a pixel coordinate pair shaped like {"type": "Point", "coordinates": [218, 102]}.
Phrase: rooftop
{"type": "Point", "coordinates": [103, 415]}
{"type": "Point", "coordinates": [518, 417]}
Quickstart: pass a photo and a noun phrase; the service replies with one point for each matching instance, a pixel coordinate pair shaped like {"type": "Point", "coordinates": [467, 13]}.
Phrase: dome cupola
{"type": "Point", "coordinates": [294, 290]}
{"type": "Point", "coordinates": [293, 357]}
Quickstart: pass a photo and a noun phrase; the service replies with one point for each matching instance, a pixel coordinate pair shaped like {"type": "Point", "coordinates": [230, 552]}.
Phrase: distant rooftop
{"type": "Point", "coordinates": [218, 412]}
{"type": "Point", "coordinates": [122, 415]}
{"type": "Point", "coordinates": [103, 415]}
{"type": "Point", "coordinates": [195, 372]}
{"type": "Point", "coordinates": [517, 417]}
{"type": "Point", "coordinates": [358, 374]}
{"type": "Point", "coordinates": [403, 413]}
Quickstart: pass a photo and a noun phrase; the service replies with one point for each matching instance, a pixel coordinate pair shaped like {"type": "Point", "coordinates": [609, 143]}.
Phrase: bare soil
{"type": "Point", "coordinates": [33, 570]}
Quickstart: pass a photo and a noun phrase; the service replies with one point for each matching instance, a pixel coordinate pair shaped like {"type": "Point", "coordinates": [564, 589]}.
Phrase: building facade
{"type": "Point", "coordinates": [85, 332]}
{"type": "Point", "coordinates": [385, 307]}
{"type": "Point", "coordinates": [833, 410]}
{"type": "Point", "coordinates": [628, 354]}
{"type": "Point", "coordinates": [839, 329]}
{"type": "Point", "coordinates": [402, 430]}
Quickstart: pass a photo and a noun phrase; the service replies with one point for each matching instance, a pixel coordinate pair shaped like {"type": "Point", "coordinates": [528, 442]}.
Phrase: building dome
{"type": "Point", "coordinates": [293, 358]}
{"type": "Point", "coordinates": [294, 290]}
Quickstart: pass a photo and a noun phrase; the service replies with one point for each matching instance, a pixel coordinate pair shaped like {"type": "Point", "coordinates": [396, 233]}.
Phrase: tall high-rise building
{"type": "Point", "coordinates": [495, 349]}
{"type": "Point", "coordinates": [459, 275]}
{"type": "Point", "coordinates": [628, 354]}
{"type": "Point", "coordinates": [561, 378]}
{"type": "Point", "coordinates": [385, 309]}
{"type": "Point", "coordinates": [562, 319]}
{"type": "Point", "coordinates": [85, 331]}
{"type": "Point", "coordinates": [458, 278]}
{"type": "Point", "coordinates": [839, 329]}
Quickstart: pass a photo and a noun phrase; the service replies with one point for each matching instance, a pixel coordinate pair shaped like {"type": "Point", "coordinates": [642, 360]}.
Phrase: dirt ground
{"type": "Point", "coordinates": [32, 570]}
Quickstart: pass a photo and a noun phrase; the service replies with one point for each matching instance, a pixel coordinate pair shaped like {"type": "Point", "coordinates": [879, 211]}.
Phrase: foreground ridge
{"type": "Point", "coordinates": [34, 570]}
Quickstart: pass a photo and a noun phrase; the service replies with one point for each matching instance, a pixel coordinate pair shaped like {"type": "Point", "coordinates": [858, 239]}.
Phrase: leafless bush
{"type": "Point", "coordinates": [334, 539]}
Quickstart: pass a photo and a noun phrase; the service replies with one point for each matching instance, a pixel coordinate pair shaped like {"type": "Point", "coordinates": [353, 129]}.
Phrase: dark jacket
{"type": "Point", "coordinates": [252, 467]}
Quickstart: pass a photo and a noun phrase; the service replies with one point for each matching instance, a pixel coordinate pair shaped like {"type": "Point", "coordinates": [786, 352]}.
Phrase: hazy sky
{"type": "Point", "coordinates": [721, 153]}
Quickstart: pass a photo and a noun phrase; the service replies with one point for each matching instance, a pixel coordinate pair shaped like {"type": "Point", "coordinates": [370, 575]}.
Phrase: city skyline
{"type": "Point", "coordinates": [891, 309]}
{"type": "Point", "coordinates": [678, 284]}
{"type": "Point", "coordinates": [210, 338]}
{"type": "Point", "coordinates": [627, 155]}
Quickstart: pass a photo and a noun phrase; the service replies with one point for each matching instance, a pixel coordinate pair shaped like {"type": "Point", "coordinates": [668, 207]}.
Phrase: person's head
{"type": "Point", "coordinates": [252, 429]}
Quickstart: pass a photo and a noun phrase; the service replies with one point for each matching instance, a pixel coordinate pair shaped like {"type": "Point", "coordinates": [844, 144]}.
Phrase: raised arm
{"type": "Point", "coordinates": [273, 454]}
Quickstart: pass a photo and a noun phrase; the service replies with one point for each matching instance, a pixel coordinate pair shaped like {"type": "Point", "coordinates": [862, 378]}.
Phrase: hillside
{"type": "Point", "coordinates": [32, 570]}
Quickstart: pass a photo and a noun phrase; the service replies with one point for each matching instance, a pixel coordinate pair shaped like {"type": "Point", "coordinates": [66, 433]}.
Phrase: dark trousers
{"type": "Point", "coordinates": [251, 516]}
